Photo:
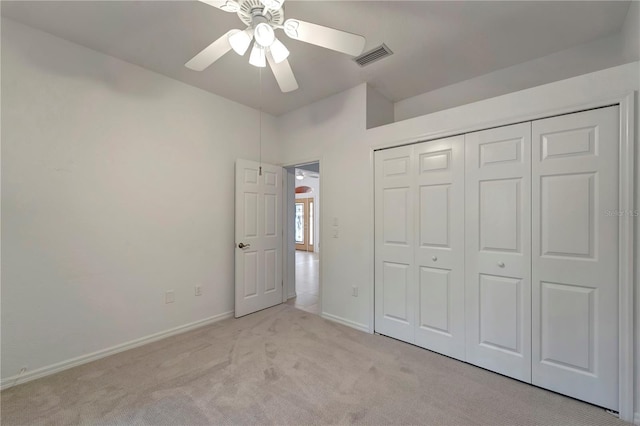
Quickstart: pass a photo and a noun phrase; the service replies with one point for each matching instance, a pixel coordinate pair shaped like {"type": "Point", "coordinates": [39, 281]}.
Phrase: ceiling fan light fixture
{"type": "Point", "coordinates": [240, 41]}
{"type": "Point", "coordinates": [279, 51]}
{"type": "Point", "coordinates": [272, 4]}
{"type": "Point", "coordinates": [258, 56]}
{"type": "Point", "coordinates": [262, 18]}
{"type": "Point", "coordinates": [264, 34]}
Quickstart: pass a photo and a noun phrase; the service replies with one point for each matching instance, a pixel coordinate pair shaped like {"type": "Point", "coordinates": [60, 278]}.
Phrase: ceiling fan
{"type": "Point", "coordinates": [262, 18]}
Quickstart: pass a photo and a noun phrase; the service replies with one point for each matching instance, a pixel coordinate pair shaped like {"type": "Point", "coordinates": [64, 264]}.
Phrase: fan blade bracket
{"type": "Point", "coordinates": [272, 4]}
{"type": "Point", "coordinates": [230, 6]}
{"type": "Point", "coordinates": [290, 28]}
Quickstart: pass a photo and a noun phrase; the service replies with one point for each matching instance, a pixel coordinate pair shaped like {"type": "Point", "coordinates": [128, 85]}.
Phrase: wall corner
{"type": "Point", "coordinates": [379, 110]}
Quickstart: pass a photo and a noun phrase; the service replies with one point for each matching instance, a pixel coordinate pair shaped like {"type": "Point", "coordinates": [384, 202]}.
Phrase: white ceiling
{"type": "Point", "coordinates": [435, 43]}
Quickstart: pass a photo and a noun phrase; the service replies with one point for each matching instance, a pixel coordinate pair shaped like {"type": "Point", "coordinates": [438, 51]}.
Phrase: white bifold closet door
{"type": "Point", "coordinates": [439, 252]}
{"type": "Point", "coordinates": [575, 255]}
{"type": "Point", "coordinates": [419, 276]}
{"type": "Point", "coordinates": [498, 249]}
{"type": "Point", "coordinates": [395, 289]}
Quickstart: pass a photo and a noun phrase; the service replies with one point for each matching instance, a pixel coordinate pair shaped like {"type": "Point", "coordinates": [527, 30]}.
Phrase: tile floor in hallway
{"type": "Point", "coordinates": [307, 282]}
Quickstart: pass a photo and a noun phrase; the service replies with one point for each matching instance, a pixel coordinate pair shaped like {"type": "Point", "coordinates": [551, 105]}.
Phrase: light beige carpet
{"type": "Point", "coordinates": [285, 366]}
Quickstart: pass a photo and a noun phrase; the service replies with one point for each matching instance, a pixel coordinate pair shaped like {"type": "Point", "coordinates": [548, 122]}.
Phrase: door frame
{"type": "Point", "coordinates": [288, 220]}
{"type": "Point", "coordinates": [626, 236]}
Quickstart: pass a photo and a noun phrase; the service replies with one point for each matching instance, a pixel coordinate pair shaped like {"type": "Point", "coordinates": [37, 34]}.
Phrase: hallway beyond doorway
{"type": "Point", "coordinates": [307, 282]}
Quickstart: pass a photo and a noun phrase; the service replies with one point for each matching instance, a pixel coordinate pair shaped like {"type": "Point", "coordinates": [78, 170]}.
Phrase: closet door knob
{"type": "Point", "coordinates": [501, 264]}
{"type": "Point", "coordinates": [434, 258]}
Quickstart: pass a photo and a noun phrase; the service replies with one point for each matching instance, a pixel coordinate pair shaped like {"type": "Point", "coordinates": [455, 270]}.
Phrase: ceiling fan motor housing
{"type": "Point", "coordinates": [250, 10]}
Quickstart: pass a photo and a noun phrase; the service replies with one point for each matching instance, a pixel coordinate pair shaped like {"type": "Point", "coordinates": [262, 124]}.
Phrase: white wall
{"type": "Point", "coordinates": [380, 110]}
{"type": "Point", "coordinates": [117, 185]}
{"type": "Point", "coordinates": [631, 31]}
{"type": "Point", "coordinates": [616, 49]}
{"type": "Point", "coordinates": [314, 184]}
{"type": "Point", "coordinates": [334, 130]}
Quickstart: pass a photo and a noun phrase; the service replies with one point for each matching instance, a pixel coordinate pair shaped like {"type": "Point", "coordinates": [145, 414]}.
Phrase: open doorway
{"type": "Point", "coordinates": [304, 224]}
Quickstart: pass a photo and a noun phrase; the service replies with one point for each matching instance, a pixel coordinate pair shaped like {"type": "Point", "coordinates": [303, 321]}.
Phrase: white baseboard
{"type": "Point", "coordinates": [291, 295]}
{"type": "Point", "coordinates": [348, 323]}
{"type": "Point", "coordinates": [74, 362]}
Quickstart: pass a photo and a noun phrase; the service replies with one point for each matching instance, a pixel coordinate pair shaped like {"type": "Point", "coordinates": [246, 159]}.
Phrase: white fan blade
{"type": "Point", "coordinates": [284, 74]}
{"type": "Point", "coordinates": [340, 41]}
{"type": "Point", "coordinates": [226, 5]}
{"type": "Point", "coordinates": [211, 53]}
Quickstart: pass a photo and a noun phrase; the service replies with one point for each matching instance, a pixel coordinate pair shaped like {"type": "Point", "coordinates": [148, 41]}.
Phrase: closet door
{"type": "Point", "coordinates": [498, 249]}
{"type": "Point", "coordinates": [439, 253]}
{"type": "Point", "coordinates": [575, 255]}
{"type": "Point", "coordinates": [395, 289]}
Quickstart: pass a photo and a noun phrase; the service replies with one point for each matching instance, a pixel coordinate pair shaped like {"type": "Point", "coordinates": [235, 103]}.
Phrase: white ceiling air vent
{"type": "Point", "coordinates": [373, 55]}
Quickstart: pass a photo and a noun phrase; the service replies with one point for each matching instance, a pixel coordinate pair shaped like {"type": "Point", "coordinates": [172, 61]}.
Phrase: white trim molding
{"type": "Point", "coordinates": [348, 323]}
{"type": "Point", "coordinates": [84, 359]}
{"type": "Point", "coordinates": [626, 236]}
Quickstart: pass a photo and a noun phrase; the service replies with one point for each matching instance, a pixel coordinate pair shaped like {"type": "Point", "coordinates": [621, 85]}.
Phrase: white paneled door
{"type": "Point", "coordinates": [395, 281]}
{"type": "Point", "coordinates": [258, 233]}
{"type": "Point", "coordinates": [498, 249]}
{"type": "Point", "coordinates": [439, 248]}
{"type": "Point", "coordinates": [575, 255]}
{"type": "Point", "coordinates": [419, 249]}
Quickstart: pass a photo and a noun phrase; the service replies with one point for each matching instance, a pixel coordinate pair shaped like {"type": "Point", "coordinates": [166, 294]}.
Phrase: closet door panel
{"type": "Point", "coordinates": [575, 255]}
{"type": "Point", "coordinates": [498, 250]}
{"type": "Point", "coordinates": [395, 236]}
{"type": "Point", "coordinates": [439, 252]}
